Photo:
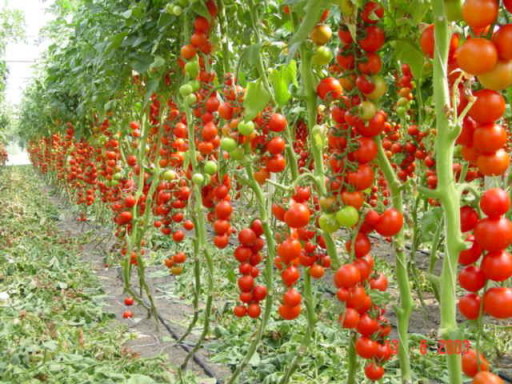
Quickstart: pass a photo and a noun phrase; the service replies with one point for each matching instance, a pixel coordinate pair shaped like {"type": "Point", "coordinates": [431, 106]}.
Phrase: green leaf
{"type": "Point", "coordinates": [255, 359]}
{"type": "Point", "coordinates": [281, 80]}
{"type": "Point", "coordinates": [142, 63]}
{"type": "Point", "coordinates": [256, 99]}
{"type": "Point", "coordinates": [140, 379]}
{"type": "Point", "coordinates": [409, 53]}
{"type": "Point", "coordinates": [201, 9]}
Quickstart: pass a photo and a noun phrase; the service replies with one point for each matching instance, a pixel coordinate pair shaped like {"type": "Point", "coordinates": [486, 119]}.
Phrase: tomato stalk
{"type": "Point", "coordinates": [134, 238]}
{"type": "Point", "coordinates": [446, 190]}
{"type": "Point", "coordinates": [200, 237]}
{"type": "Point", "coordinates": [405, 309]}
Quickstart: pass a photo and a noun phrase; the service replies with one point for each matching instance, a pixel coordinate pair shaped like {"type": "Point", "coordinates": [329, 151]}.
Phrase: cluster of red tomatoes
{"type": "Point", "coordinates": [486, 54]}
{"type": "Point", "coordinates": [491, 237]}
{"type": "Point", "coordinates": [249, 256]}
{"type": "Point", "coordinates": [301, 247]}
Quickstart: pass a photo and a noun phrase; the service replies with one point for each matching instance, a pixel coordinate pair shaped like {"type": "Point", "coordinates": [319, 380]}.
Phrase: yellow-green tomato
{"type": "Point", "coordinates": [198, 178]}
{"type": "Point", "coordinates": [210, 167]}
{"type": "Point", "coordinates": [322, 56]}
{"type": "Point", "coordinates": [246, 128]}
{"type": "Point", "coordinates": [185, 90]}
{"type": "Point", "coordinates": [367, 110]}
{"type": "Point", "coordinates": [228, 144]}
{"type": "Point", "coordinates": [192, 68]}
{"type": "Point", "coordinates": [328, 222]}
{"type": "Point", "coordinates": [380, 88]}
{"type": "Point", "coordinates": [347, 216]}
{"type": "Point", "coordinates": [168, 175]}
{"type": "Point", "coordinates": [191, 99]}
{"type": "Point", "coordinates": [237, 154]}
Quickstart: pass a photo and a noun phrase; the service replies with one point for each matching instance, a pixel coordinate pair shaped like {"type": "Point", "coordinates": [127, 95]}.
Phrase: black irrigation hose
{"type": "Point", "coordinates": [199, 361]}
{"type": "Point", "coordinates": [187, 349]}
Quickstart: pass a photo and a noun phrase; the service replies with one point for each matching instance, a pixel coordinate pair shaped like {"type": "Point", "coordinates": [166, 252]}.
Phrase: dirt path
{"type": "Point", "coordinates": [152, 337]}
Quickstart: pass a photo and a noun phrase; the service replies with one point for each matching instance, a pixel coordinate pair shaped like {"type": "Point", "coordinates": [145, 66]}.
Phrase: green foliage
{"type": "Point", "coordinates": [53, 328]}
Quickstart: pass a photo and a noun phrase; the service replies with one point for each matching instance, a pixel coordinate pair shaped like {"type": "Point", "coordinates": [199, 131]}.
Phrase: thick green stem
{"type": "Point", "coordinates": [200, 238]}
{"type": "Point", "coordinates": [352, 360]}
{"type": "Point", "coordinates": [446, 189]}
{"type": "Point", "coordinates": [406, 303]}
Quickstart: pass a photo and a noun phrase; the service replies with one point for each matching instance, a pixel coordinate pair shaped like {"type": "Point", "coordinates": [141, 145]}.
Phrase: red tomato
{"type": "Point", "coordinates": [487, 377]}
{"type": "Point", "coordinates": [498, 302]}
{"type": "Point", "coordinates": [349, 319]}
{"type": "Point", "coordinates": [240, 311]}
{"type": "Point", "coordinates": [480, 13]}
{"type": "Point", "coordinates": [297, 216]}
{"type": "Point", "coordinates": [373, 371]}
{"type": "Point", "coordinates": [372, 12]}
{"type": "Point", "coordinates": [254, 310]}
{"type": "Point", "coordinates": [390, 222]}
{"type": "Point", "coordinates": [495, 202]}
{"type": "Point", "coordinates": [277, 123]}
{"type": "Point", "coordinates": [289, 313]}
{"type": "Point", "coordinates": [488, 107]}
{"type": "Point", "coordinates": [472, 48]}
{"type": "Point", "coordinates": [367, 326]}
{"type": "Point", "coordinates": [488, 138]}
{"type": "Point", "coordinates": [472, 363]}
{"type": "Point", "coordinates": [468, 218]}
{"type": "Point", "coordinates": [472, 278]}
{"type": "Point", "coordinates": [373, 39]}
{"type": "Point", "coordinates": [290, 275]}
{"type": "Point", "coordinates": [497, 266]}
{"type": "Point", "coordinates": [347, 276]}
{"type": "Point", "coordinates": [292, 298]}
{"type": "Point", "coordinates": [472, 254]}
{"type": "Point", "coordinates": [247, 237]}
{"type": "Point", "coordinates": [469, 306]}
{"type": "Point", "coordinates": [502, 39]}
{"type": "Point", "coordinates": [366, 348]}
{"type": "Point", "coordinates": [246, 283]}
{"type": "Point", "coordinates": [366, 152]}
{"type": "Point", "coordinates": [329, 88]}
{"type": "Point", "coordinates": [495, 164]}
{"type": "Point", "coordinates": [276, 145]}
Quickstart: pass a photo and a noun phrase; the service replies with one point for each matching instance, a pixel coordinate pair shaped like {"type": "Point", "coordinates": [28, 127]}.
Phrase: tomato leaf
{"type": "Point", "coordinates": [281, 80]}
{"type": "Point", "coordinates": [409, 53]}
{"type": "Point", "coordinates": [256, 98]}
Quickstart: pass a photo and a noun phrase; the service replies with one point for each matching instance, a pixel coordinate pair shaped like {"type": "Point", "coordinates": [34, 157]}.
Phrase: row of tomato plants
{"type": "Point", "coordinates": [191, 159]}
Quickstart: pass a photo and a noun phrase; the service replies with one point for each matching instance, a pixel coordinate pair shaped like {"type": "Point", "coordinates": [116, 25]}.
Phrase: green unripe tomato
{"type": "Point", "coordinates": [117, 176]}
{"type": "Point", "coordinates": [191, 99]}
{"type": "Point", "coordinates": [195, 85]}
{"type": "Point", "coordinates": [347, 216]}
{"type": "Point", "coordinates": [198, 178]}
{"type": "Point", "coordinates": [210, 167]}
{"type": "Point", "coordinates": [169, 9]}
{"type": "Point", "coordinates": [228, 144]}
{"type": "Point", "coordinates": [322, 56]}
{"type": "Point", "coordinates": [185, 90]}
{"type": "Point", "coordinates": [367, 110]}
{"type": "Point", "coordinates": [380, 88]}
{"type": "Point", "coordinates": [246, 128]}
{"type": "Point", "coordinates": [192, 69]}
{"type": "Point", "coordinates": [168, 175]}
{"type": "Point", "coordinates": [176, 10]}
{"type": "Point", "coordinates": [328, 222]}
{"type": "Point", "coordinates": [237, 154]}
